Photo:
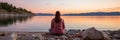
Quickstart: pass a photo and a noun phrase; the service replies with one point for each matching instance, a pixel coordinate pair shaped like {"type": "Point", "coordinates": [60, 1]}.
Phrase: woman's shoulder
{"type": "Point", "coordinates": [62, 19]}
{"type": "Point", "coordinates": [53, 19]}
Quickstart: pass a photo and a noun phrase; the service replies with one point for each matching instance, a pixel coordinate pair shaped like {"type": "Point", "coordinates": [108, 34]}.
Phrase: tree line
{"type": "Point", "coordinates": [11, 8]}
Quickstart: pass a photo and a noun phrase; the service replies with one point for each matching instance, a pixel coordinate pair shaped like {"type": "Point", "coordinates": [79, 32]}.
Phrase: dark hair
{"type": "Point", "coordinates": [57, 17]}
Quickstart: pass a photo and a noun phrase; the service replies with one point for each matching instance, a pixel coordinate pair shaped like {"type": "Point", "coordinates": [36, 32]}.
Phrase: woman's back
{"type": "Point", "coordinates": [58, 28]}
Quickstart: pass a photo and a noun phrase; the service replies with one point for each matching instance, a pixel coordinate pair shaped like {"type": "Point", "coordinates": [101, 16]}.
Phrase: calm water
{"type": "Point", "coordinates": [42, 23]}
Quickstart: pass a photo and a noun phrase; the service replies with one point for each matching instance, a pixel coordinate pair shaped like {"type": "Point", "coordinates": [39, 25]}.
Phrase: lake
{"type": "Point", "coordinates": [42, 23]}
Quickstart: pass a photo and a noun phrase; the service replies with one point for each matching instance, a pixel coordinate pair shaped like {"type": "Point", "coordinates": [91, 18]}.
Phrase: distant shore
{"type": "Point", "coordinates": [15, 14]}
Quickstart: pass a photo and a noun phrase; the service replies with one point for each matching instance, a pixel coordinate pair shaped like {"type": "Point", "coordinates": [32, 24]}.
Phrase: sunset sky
{"type": "Point", "coordinates": [66, 6]}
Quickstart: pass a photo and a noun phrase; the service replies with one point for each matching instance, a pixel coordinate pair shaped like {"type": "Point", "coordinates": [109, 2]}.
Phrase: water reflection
{"type": "Point", "coordinates": [5, 21]}
{"type": "Point", "coordinates": [99, 22]}
{"type": "Point", "coordinates": [42, 23]}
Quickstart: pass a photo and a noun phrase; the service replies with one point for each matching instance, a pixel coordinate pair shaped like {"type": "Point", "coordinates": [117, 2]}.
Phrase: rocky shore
{"type": "Point", "coordinates": [72, 34]}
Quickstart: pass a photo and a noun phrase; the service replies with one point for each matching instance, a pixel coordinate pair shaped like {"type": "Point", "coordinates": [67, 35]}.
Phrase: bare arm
{"type": "Point", "coordinates": [63, 25]}
{"type": "Point", "coordinates": [51, 24]}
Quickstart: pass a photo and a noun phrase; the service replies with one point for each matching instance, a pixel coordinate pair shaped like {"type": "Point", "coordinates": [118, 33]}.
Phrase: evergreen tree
{"type": "Point", "coordinates": [11, 8]}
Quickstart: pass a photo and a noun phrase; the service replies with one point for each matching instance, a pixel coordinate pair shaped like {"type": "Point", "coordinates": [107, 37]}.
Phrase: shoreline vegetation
{"type": "Point", "coordinates": [9, 10]}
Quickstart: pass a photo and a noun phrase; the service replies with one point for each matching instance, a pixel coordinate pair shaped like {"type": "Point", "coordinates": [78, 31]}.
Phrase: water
{"type": "Point", "coordinates": [42, 23]}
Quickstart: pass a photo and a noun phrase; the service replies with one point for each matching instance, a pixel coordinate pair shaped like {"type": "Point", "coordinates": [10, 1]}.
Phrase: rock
{"type": "Point", "coordinates": [51, 39]}
{"type": "Point", "coordinates": [106, 36]}
{"type": "Point", "coordinates": [115, 34]}
{"type": "Point", "coordinates": [64, 37]}
{"type": "Point", "coordinates": [92, 33]}
{"type": "Point", "coordinates": [115, 39]}
{"type": "Point", "coordinates": [73, 31]}
{"type": "Point", "coordinates": [77, 39]}
{"type": "Point", "coordinates": [14, 36]}
{"type": "Point", "coordinates": [38, 36]}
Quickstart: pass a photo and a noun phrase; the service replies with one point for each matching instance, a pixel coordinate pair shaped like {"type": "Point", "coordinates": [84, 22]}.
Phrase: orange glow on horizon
{"type": "Point", "coordinates": [76, 11]}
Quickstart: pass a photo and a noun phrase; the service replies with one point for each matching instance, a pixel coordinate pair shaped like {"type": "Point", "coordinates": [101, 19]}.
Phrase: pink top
{"type": "Point", "coordinates": [57, 28]}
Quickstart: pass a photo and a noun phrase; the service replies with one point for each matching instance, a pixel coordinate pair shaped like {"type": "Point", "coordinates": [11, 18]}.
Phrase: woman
{"type": "Point", "coordinates": [57, 25]}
